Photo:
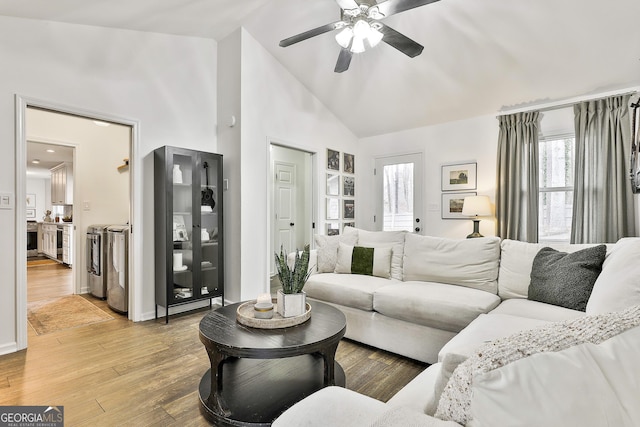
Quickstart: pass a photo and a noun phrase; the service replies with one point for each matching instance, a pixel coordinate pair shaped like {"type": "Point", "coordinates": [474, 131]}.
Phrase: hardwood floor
{"type": "Point", "coordinates": [147, 373]}
{"type": "Point", "coordinates": [48, 281]}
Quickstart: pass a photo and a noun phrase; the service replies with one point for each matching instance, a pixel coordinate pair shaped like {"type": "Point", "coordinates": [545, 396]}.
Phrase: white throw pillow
{"type": "Point", "coordinates": [327, 248]}
{"type": "Point", "coordinates": [465, 262]}
{"type": "Point", "coordinates": [455, 402]}
{"type": "Point", "coordinates": [618, 285]}
{"type": "Point", "coordinates": [587, 385]}
{"type": "Point", "coordinates": [392, 239]}
{"type": "Point", "coordinates": [380, 261]}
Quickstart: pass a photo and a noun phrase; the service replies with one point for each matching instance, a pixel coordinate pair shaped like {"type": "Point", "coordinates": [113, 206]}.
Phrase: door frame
{"type": "Point", "coordinates": [269, 188]}
{"type": "Point", "coordinates": [135, 206]}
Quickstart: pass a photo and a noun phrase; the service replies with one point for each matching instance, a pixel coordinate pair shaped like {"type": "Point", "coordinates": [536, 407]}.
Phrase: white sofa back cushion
{"type": "Point", "coordinates": [327, 248]}
{"type": "Point", "coordinates": [585, 385]}
{"type": "Point", "coordinates": [618, 285]}
{"type": "Point", "coordinates": [465, 262]}
{"type": "Point", "coordinates": [516, 260]}
{"type": "Point", "coordinates": [379, 239]}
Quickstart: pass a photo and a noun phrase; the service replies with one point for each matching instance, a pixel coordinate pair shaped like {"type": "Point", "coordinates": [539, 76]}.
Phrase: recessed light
{"type": "Point", "coordinates": [51, 151]}
{"type": "Point", "coordinates": [101, 123]}
{"type": "Point", "coordinates": [35, 161]}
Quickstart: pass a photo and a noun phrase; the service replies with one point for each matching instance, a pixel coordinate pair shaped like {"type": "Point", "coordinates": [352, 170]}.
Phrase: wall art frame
{"type": "Point", "coordinates": [452, 205]}
{"type": "Point", "coordinates": [459, 176]}
{"type": "Point", "coordinates": [333, 160]}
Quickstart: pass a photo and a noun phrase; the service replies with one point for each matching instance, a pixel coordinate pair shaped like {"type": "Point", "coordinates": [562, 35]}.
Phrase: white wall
{"type": "Point", "coordinates": [275, 108]}
{"type": "Point", "coordinates": [473, 140]}
{"type": "Point", "coordinates": [39, 187]}
{"type": "Point", "coordinates": [165, 83]}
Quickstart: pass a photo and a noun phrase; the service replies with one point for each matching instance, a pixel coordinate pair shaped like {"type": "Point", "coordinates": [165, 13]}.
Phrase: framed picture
{"type": "Point", "coordinates": [31, 200]}
{"type": "Point", "coordinates": [348, 186]}
{"type": "Point", "coordinates": [459, 177]}
{"type": "Point", "coordinates": [31, 213]}
{"type": "Point", "coordinates": [349, 209]}
{"type": "Point", "coordinates": [452, 205]}
{"type": "Point", "coordinates": [333, 208]}
{"type": "Point", "coordinates": [333, 184]}
{"type": "Point", "coordinates": [348, 163]}
{"type": "Point", "coordinates": [179, 229]}
{"type": "Point", "coordinates": [333, 229]}
{"type": "Point", "coordinates": [333, 160]}
{"type": "Point", "coordinates": [348, 224]}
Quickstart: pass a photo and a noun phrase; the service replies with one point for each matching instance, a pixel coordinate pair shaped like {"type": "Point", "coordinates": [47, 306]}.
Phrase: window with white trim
{"type": "Point", "coordinates": [556, 170]}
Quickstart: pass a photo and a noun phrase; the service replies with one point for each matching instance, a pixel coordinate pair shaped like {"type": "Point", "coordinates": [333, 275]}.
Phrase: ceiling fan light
{"type": "Point", "coordinates": [357, 46]}
{"type": "Point", "coordinates": [344, 37]}
{"type": "Point", "coordinates": [361, 29]}
{"type": "Point", "coordinates": [374, 37]}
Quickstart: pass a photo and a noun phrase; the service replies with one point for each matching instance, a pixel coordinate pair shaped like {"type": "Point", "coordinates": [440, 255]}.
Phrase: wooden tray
{"type": "Point", "coordinates": [244, 315]}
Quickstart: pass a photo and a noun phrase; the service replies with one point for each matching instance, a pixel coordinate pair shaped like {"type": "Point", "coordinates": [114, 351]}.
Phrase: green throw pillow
{"type": "Point", "coordinates": [366, 261]}
{"type": "Point", "coordinates": [565, 279]}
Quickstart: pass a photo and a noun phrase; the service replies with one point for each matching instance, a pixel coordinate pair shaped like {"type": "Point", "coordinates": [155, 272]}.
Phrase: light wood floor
{"type": "Point", "coordinates": [147, 373]}
{"type": "Point", "coordinates": [48, 281]}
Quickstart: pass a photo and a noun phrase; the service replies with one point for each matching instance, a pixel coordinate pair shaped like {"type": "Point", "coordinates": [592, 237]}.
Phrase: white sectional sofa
{"type": "Point", "coordinates": [455, 304]}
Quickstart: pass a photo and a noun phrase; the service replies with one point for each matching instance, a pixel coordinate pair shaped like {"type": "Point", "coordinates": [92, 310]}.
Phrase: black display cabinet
{"type": "Point", "coordinates": [188, 227]}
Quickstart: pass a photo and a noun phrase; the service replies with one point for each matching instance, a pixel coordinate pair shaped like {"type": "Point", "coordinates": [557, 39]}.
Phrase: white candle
{"type": "Point", "coordinates": [263, 298]}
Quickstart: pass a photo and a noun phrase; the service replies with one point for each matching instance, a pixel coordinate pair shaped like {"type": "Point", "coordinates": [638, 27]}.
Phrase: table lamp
{"type": "Point", "coordinates": [476, 206]}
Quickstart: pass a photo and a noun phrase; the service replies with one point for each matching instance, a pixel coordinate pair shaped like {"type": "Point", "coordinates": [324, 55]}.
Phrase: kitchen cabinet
{"type": "Point", "coordinates": [62, 184]}
{"type": "Point", "coordinates": [50, 240]}
{"type": "Point", "coordinates": [67, 243]}
{"type": "Point", "coordinates": [188, 227]}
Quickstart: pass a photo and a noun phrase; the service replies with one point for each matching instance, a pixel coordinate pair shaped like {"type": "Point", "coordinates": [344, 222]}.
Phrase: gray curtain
{"type": "Point", "coordinates": [517, 186]}
{"type": "Point", "coordinates": [602, 199]}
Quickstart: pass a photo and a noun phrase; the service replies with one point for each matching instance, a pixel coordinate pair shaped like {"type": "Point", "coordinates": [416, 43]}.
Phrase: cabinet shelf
{"type": "Point", "coordinates": [177, 215]}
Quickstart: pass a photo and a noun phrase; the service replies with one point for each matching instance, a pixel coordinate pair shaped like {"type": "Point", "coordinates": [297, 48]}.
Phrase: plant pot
{"type": "Point", "coordinates": [290, 305]}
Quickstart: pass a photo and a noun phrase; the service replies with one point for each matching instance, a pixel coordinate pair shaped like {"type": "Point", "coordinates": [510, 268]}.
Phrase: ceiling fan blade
{"type": "Point", "coordinates": [391, 7]}
{"type": "Point", "coordinates": [347, 4]}
{"type": "Point", "coordinates": [344, 60]}
{"type": "Point", "coordinates": [311, 33]}
{"type": "Point", "coordinates": [401, 42]}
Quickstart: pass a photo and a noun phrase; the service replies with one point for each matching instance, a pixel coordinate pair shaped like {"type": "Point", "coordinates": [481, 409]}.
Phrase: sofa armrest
{"type": "Point", "coordinates": [313, 260]}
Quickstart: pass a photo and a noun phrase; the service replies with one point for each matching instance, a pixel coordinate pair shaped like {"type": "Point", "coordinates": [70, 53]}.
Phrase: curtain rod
{"type": "Point", "coordinates": [568, 102]}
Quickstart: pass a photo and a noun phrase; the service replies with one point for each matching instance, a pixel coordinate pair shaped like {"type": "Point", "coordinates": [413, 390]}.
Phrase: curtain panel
{"type": "Point", "coordinates": [603, 207]}
{"type": "Point", "coordinates": [517, 176]}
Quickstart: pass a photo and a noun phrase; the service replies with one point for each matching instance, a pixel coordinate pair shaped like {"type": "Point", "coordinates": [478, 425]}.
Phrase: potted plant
{"type": "Point", "coordinates": [291, 298]}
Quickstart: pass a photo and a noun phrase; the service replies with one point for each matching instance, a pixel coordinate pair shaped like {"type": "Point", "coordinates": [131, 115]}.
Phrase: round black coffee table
{"type": "Point", "coordinates": [256, 374]}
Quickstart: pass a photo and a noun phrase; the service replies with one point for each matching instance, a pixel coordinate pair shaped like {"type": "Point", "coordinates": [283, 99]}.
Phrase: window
{"type": "Point", "coordinates": [556, 163]}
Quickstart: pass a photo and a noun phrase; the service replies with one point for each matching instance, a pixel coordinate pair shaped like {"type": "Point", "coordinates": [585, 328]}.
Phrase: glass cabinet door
{"type": "Point", "coordinates": [209, 167]}
{"type": "Point", "coordinates": [183, 222]}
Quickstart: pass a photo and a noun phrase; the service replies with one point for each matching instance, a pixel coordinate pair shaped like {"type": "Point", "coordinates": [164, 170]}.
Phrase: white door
{"type": "Point", "coordinates": [285, 206]}
{"type": "Point", "coordinates": [399, 193]}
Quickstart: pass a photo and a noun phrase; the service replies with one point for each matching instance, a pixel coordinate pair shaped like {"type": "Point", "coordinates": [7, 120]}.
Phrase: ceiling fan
{"type": "Point", "coordinates": [360, 26]}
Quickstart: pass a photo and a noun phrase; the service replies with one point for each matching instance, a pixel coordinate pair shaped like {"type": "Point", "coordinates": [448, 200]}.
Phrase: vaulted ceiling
{"type": "Point", "coordinates": [480, 56]}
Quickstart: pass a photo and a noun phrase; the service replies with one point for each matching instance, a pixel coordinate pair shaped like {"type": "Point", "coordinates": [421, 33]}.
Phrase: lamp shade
{"type": "Point", "coordinates": [476, 206]}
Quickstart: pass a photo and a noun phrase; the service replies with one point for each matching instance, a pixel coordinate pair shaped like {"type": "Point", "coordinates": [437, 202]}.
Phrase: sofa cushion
{"type": "Point", "coordinates": [361, 260]}
{"type": "Point", "coordinates": [327, 248]}
{"type": "Point", "coordinates": [437, 305]}
{"type": "Point", "coordinates": [472, 263]}
{"type": "Point", "coordinates": [585, 385]}
{"type": "Point", "coordinates": [536, 310]}
{"type": "Point", "coordinates": [565, 279]}
{"type": "Point", "coordinates": [455, 402]}
{"type": "Point", "coordinates": [392, 239]}
{"type": "Point", "coordinates": [351, 290]}
{"type": "Point", "coordinates": [618, 285]}
{"type": "Point", "coordinates": [516, 260]}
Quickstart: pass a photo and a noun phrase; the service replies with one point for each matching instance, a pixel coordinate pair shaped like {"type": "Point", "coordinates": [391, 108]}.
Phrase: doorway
{"type": "Point", "coordinates": [398, 183]}
{"type": "Point", "coordinates": [54, 128]}
{"type": "Point", "coordinates": [291, 200]}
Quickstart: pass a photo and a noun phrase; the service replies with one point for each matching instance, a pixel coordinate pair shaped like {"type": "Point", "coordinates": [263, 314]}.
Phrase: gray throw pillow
{"type": "Point", "coordinates": [565, 279]}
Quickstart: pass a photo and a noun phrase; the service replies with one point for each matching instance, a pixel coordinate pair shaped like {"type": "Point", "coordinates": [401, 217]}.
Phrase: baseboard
{"type": "Point", "coordinates": [11, 347]}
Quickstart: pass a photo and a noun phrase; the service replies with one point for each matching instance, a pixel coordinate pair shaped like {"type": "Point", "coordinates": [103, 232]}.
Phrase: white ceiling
{"type": "Point", "coordinates": [480, 56]}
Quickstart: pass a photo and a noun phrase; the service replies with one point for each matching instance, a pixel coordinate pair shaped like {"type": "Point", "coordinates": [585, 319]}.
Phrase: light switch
{"type": "Point", "coordinates": [6, 201]}
{"type": "Point", "coordinates": [86, 205]}
{"type": "Point", "coordinates": [225, 184]}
